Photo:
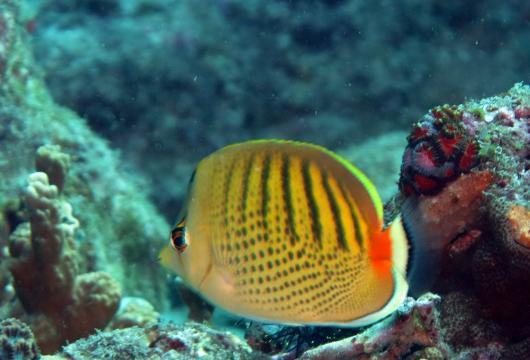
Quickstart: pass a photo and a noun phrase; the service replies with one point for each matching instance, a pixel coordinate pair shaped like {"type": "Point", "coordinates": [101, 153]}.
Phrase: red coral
{"type": "Point", "coordinates": [438, 151]}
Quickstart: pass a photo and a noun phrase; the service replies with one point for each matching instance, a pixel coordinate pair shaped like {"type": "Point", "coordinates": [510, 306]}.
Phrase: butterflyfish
{"type": "Point", "coordinates": [288, 232]}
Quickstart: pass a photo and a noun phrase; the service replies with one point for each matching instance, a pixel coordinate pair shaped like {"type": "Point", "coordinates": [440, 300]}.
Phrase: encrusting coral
{"type": "Point", "coordinates": [58, 302]}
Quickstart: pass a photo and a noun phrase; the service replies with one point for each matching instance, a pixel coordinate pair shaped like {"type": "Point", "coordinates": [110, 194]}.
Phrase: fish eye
{"type": "Point", "coordinates": [177, 238]}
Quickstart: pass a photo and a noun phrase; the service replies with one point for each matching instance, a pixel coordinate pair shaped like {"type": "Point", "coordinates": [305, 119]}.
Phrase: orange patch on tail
{"type": "Point", "coordinates": [380, 252]}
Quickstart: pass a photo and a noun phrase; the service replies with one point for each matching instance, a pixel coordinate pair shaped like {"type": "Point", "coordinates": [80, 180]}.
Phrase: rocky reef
{"type": "Point", "coordinates": [472, 164]}
{"type": "Point", "coordinates": [63, 264]}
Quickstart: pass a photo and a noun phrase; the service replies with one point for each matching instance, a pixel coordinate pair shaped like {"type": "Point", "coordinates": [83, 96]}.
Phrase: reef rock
{"type": "Point", "coordinates": [465, 193]}
{"type": "Point", "coordinates": [411, 332]}
{"type": "Point", "coordinates": [161, 341]}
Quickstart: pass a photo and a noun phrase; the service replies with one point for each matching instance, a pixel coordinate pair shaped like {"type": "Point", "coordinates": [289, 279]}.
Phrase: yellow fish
{"type": "Point", "coordinates": [288, 232]}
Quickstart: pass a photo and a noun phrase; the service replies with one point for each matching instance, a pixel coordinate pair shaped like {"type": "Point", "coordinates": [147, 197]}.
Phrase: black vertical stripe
{"type": "Point", "coordinates": [226, 189]}
{"type": "Point", "coordinates": [316, 226]}
{"type": "Point", "coordinates": [265, 197]}
{"type": "Point", "coordinates": [286, 189]}
{"type": "Point", "coordinates": [357, 227]}
{"type": "Point", "coordinates": [337, 218]}
{"type": "Point", "coordinates": [246, 178]}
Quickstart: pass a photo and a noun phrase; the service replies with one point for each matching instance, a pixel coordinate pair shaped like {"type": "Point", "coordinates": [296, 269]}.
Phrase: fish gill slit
{"type": "Point", "coordinates": [355, 216]}
{"type": "Point", "coordinates": [316, 226]}
{"type": "Point", "coordinates": [265, 187]}
{"type": "Point", "coordinates": [337, 216]}
{"type": "Point", "coordinates": [287, 197]}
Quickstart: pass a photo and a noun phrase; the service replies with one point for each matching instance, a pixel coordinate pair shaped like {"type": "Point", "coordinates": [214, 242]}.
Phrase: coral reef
{"type": "Point", "coordinates": [429, 217]}
{"type": "Point", "coordinates": [55, 163]}
{"type": "Point", "coordinates": [17, 341]}
{"type": "Point", "coordinates": [166, 341]}
{"type": "Point", "coordinates": [199, 309]}
{"type": "Point", "coordinates": [54, 265]}
{"type": "Point", "coordinates": [60, 303]}
{"type": "Point", "coordinates": [291, 342]}
{"type": "Point", "coordinates": [477, 218]}
{"type": "Point", "coordinates": [411, 332]}
{"type": "Point", "coordinates": [99, 186]}
{"type": "Point", "coordinates": [490, 134]}
{"type": "Point", "coordinates": [84, 227]}
{"type": "Point", "coordinates": [463, 324]}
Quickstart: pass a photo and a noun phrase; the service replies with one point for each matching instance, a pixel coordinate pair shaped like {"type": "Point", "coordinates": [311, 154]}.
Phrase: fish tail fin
{"type": "Point", "coordinates": [401, 247]}
{"type": "Point", "coordinates": [389, 256]}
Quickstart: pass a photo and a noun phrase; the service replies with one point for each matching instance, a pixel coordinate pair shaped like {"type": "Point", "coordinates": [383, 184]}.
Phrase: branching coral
{"type": "Point", "coordinates": [60, 303]}
{"type": "Point", "coordinates": [52, 161]}
{"type": "Point", "coordinates": [45, 265]}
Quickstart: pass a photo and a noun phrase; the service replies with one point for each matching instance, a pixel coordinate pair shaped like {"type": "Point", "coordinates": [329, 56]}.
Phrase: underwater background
{"type": "Point", "coordinates": [106, 106]}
